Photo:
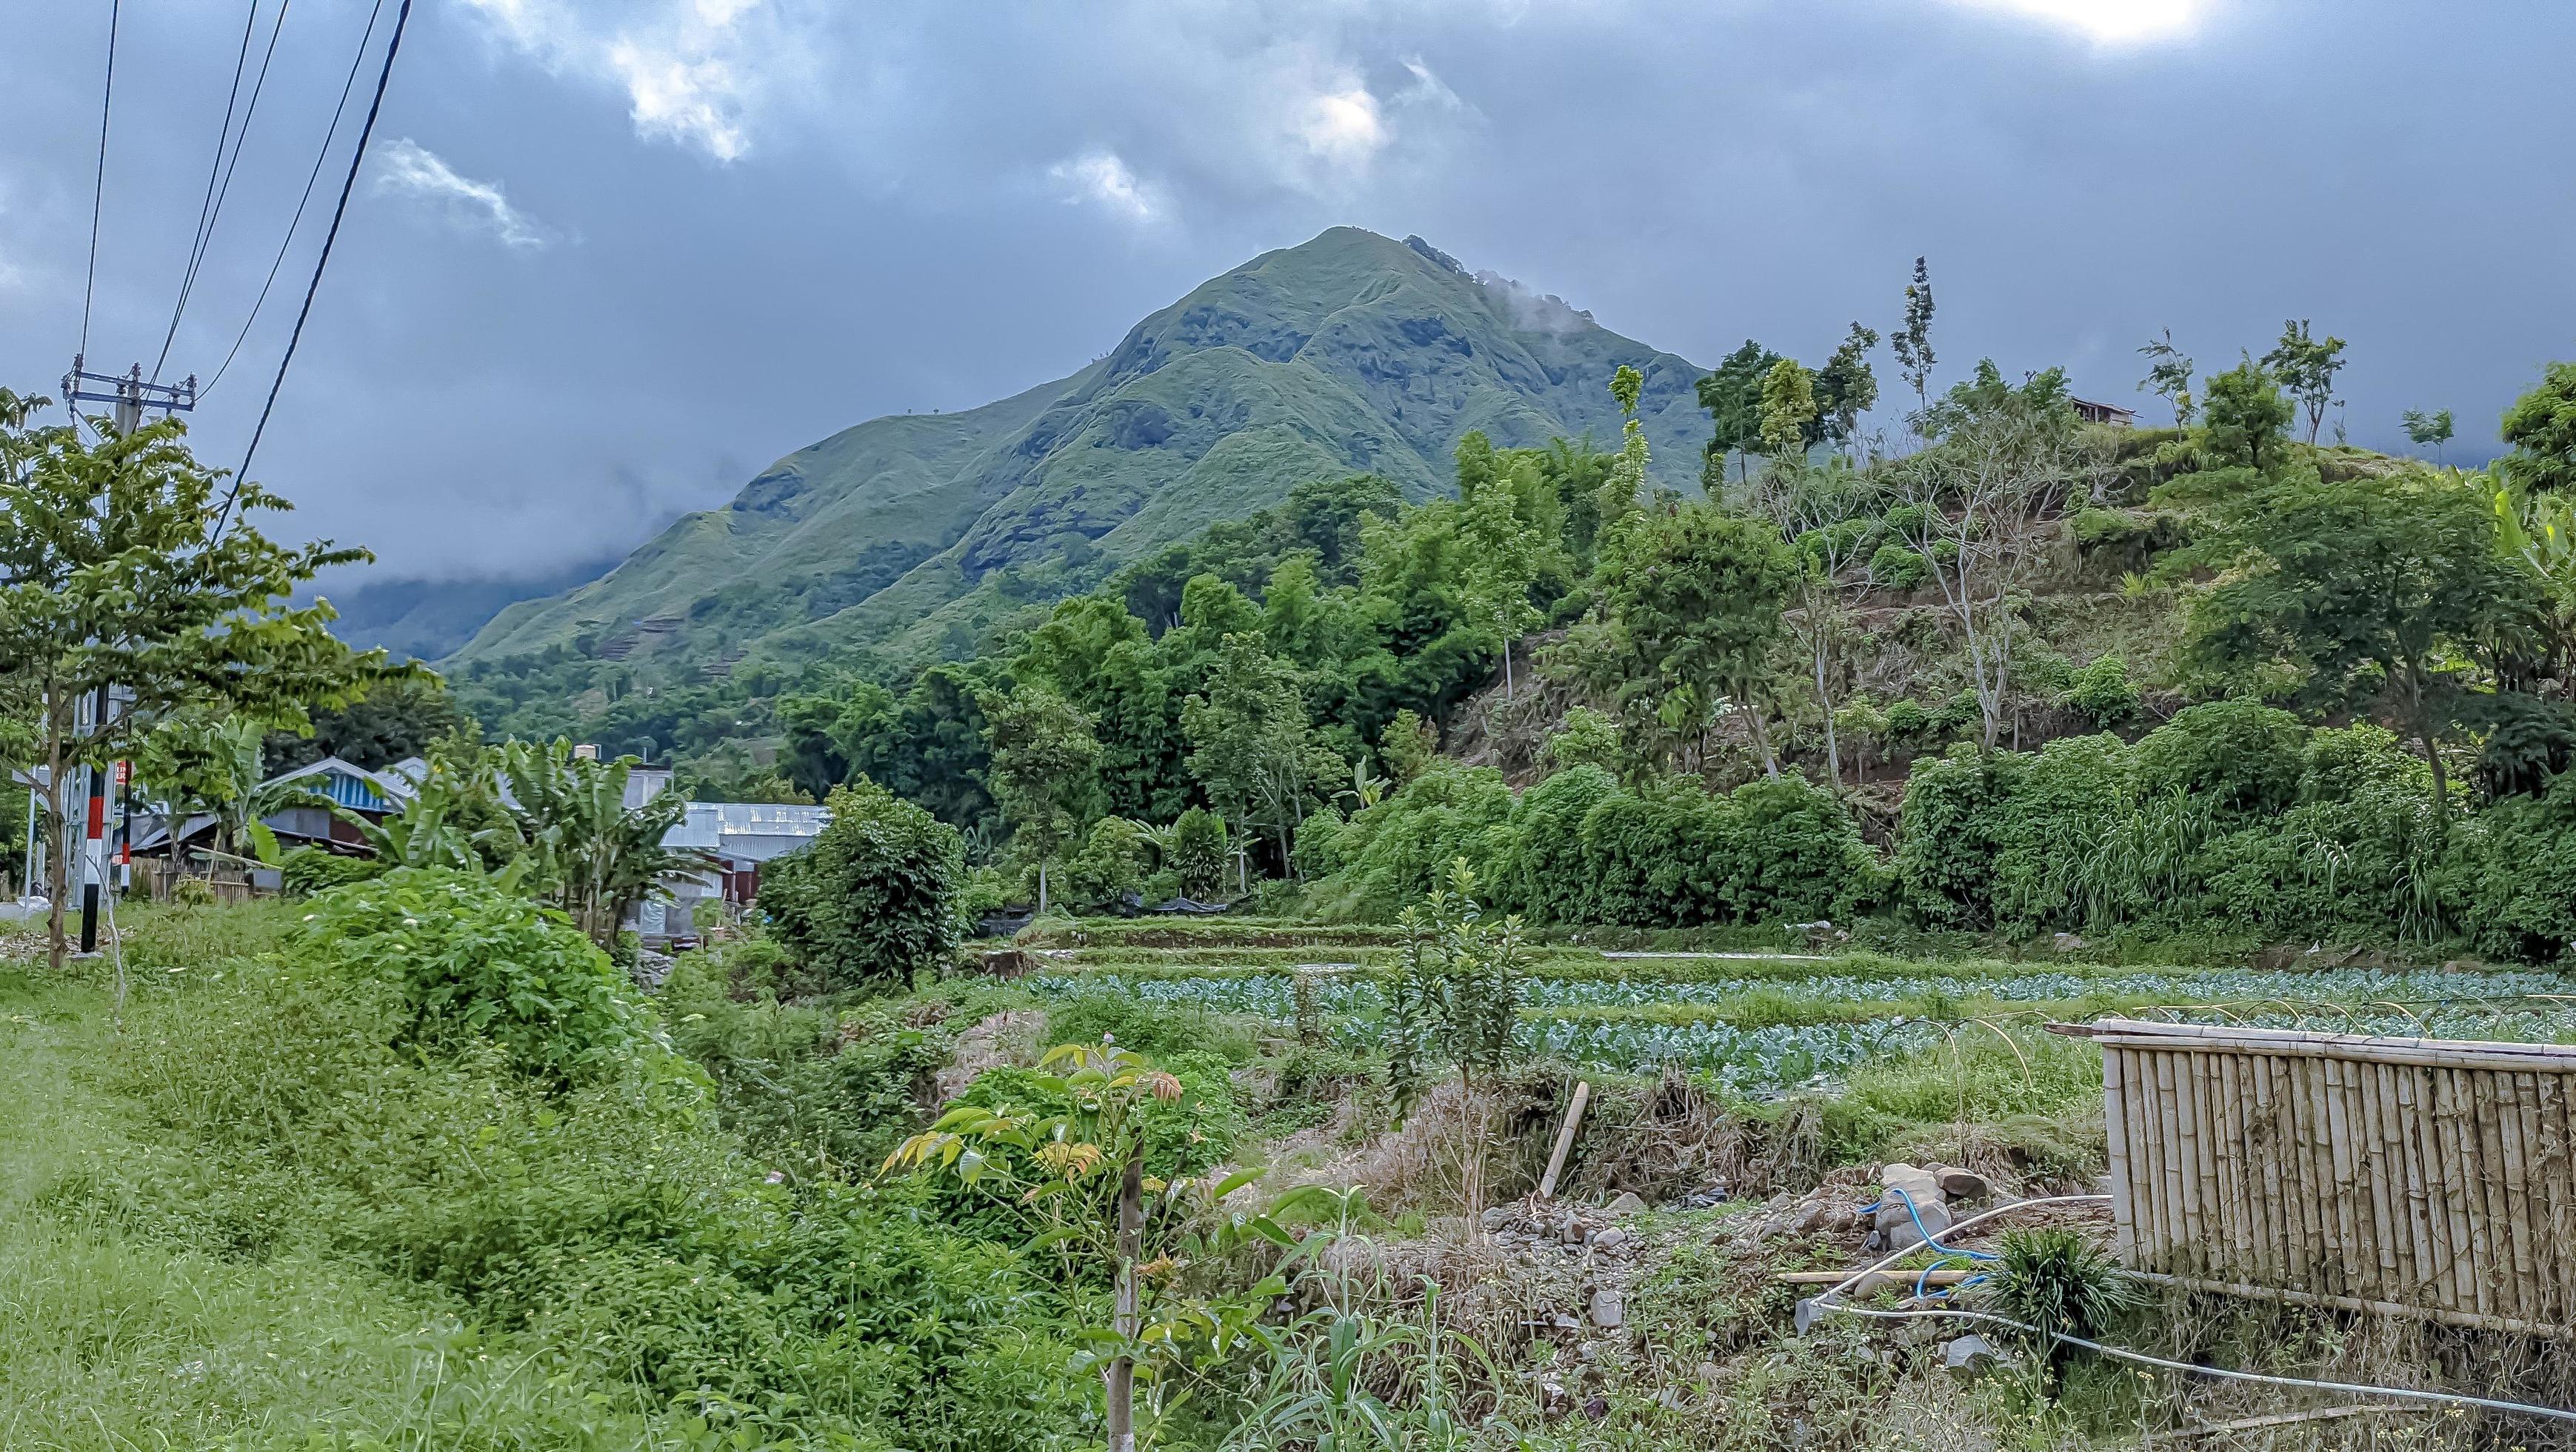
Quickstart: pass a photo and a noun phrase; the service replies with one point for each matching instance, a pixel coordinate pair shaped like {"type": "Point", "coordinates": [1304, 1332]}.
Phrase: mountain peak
{"type": "Point", "coordinates": [903, 537]}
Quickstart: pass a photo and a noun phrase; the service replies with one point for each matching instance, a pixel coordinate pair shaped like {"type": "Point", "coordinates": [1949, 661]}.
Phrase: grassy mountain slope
{"type": "Point", "coordinates": [1351, 352]}
{"type": "Point", "coordinates": [427, 619]}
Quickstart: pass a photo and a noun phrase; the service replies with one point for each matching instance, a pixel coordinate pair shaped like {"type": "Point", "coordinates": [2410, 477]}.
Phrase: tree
{"type": "Point", "coordinates": [2428, 428]}
{"type": "Point", "coordinates": [118, 570]}
{"type": "Point", "coordinates": [2306, 368]}
{"type": "Point", "coordinates": [1788, 411]}
{"type": "Point", "coordinates": [1845, 386]}
{"type": "Point", "coordinates": [592, 852]}
{"type": "Point", "coordinates": [2169, 375]}
{"type": "Point", "coordinates": [1976, 503]}
{"type": "Point", "coordinates": [1507, 552]}
{"type": "Point", "coordinates": [1816, 512]}
{"type": "Point", "coordinates": [1733, 397]}
{"type": "Point", "coordinates": [194, 764]}
{"type": "Point", "coordinates": [873, 898]}
{"type": "Point", "coordinates": [2244, 420]}
{"type": "Point", "coordinates": [1250, 741]}
{"type": "Point", "coordinates": [1912, 343]}
{"type": "Point", "coordinates": [391, 720]}
{"type": "Point", "coordinates": [2371, 589]}
{"type": "Point", "coordinates": [1627, 482]}
{"type": "Point", "coordinates": [2540, 429]}
{"type": "Point", "coordinates": [1045, 760]}
{"type": "Point", "coordinates": [1690, 601]}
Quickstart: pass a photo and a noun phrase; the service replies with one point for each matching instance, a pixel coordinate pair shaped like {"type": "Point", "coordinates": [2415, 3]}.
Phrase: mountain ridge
{"type": "Point", "coordinates": [906, 534]}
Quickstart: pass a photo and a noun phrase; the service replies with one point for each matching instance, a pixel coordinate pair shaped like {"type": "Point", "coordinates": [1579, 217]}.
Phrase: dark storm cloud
{"type": "Point", "coordinates": [612, 257]}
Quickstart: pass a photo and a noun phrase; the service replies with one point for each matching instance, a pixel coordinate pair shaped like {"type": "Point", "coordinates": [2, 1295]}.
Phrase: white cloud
{"type": "Point", "coordinates": [1427, 89]}
{"type": "Point", "coordinates": [2108, 22]}
{"type": "Point", "coordinates": [1101, 177]}
{"type": "Point", "coordinates": [700, 73]}
{"type": "Point", "coordinates": [1342, 127]}
{"type": "Point", "coordinates": [407, 168]}
{"type": "Point", "coordinates": [693, 102]}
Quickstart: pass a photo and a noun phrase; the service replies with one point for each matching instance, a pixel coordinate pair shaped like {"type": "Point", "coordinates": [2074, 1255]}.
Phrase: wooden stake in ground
{"type": "Point", "coordinates": [1565, 1137]}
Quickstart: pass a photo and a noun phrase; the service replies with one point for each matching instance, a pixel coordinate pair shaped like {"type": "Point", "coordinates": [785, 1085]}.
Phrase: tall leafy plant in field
{"type": "Point", "coordinates": [1081, 1162]}
{"type": "Point", "coordinates": [1455, 998]}
{"type": "Point", "coordinates": [473, 959]}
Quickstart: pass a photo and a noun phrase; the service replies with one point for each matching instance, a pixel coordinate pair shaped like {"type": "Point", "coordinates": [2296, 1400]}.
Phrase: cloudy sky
{"type": "Point", "coordinates": [610, 257]}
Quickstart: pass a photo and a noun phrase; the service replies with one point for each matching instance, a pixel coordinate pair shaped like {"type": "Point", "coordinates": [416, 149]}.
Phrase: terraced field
{"type": "Point", "coordinates": [1764, 1022]}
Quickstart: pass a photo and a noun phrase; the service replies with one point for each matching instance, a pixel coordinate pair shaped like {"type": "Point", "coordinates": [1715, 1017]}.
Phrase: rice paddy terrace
{"type": "Point", "coordinates": [1761, 1022]}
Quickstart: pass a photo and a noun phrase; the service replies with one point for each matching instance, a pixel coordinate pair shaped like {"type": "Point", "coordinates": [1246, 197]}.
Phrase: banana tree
{"type": "Point", "coordinates": [599, 856]}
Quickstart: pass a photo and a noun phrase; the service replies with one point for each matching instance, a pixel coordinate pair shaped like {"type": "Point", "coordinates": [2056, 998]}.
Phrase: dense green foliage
{"type": "Point", "coordinates": [1580, 848]}
{"type": "Point", "coordinates": [874, 898]}
{"type": "Point", "coordinates": [472, 960]}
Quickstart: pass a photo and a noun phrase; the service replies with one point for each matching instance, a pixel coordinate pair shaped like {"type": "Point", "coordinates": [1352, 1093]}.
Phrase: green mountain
{"type": "Point", "coordinates": [901, 537]}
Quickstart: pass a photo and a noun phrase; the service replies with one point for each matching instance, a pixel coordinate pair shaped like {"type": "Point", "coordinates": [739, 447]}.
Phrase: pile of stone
{"type": "Point", "coordinates": [1918, 1202]}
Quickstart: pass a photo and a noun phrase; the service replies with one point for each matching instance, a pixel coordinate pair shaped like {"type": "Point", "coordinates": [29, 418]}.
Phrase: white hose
{"type": "Point", "coordinates": [1826, 1302]}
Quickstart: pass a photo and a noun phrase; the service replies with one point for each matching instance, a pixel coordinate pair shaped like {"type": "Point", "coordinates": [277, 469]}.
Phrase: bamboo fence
{"type": "Point", "coordinates": [2423, 1177]}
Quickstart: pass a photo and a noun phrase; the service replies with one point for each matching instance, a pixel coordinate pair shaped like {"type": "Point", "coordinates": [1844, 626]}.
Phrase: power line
{"type": "Point", "coordinates": [212, 211]}
{"type": "Point", "coordinates": [348, 184]}
{"type": "Point", "coordinates": [324, 154]}
{"type": "Point", "coordinates": [98, 184]}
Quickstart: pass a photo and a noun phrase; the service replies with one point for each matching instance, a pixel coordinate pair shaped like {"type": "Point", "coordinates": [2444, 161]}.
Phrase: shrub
{"type": "Point", "coordinates": [873, 899]}
{"type": "Point", "coordinates": [308, 870]}
{"type": "Point", "coordinates": [2056, 1279]}
{"type": "Point", "coordinates": [2070, 792]}
{"type": "Point", "coordinates": [474, 960]}
{"type": "Point", "coordinates": [1546, 873]}
{"type": "Point", "coordinates": [2101, 692]}
{"type": "Point", "coordinates": [1947, 833]}
{"type": "Point", "coordinates": [2519, 864]}
{"type": "Point", "coordinates": [1395, 849]}
{"type": "Point", "coordinates": [1896, 567]}
{"type": "Point", "coordinates": [1110, 865]}
{"type": "Point", "coordinates": [1318, 852]}
{"type": "Point", "coordinates": [1587, 738]}
{"type": "Point", "coordinates": [1198, 853]}
{"type": "Point", "coordinates": [2241, 756]}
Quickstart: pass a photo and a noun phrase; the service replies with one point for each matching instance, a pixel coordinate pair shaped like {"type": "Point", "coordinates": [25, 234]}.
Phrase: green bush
{"type": "Point", "coordinates": [1948, 834]}
{"type": "Point", "coordinates": [873, 899]}
{"type": "Point", "coordinates": [2519, 867]}
{"type": "Point", "coordinates": [1546, 874]}
{"type": "Point", "coordinates": [1112, 863]}
{"type": "Point", "coordinates": [1393, 850]}
{"type": "Point", "coordinates": [1897, 567]}
{"type": "Point", "coordinates": [2063, 795]}
{"type": "Point", "coordinates": [308, 870]}
{"type": "Point", "coordinates": [475, 961]}
{"type": "Point", "coordinates": [1587, 738]}
{"type": "Point", "coordinates": [1318, 851]}
{"type": "Point", "coordinates": [2239, 756]}
{"type": "Point", "coordinates": [2101, 692]}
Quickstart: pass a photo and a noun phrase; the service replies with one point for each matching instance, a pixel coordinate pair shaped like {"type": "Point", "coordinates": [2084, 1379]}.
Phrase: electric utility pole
{"type": "Point", "coordinates": [129, 396]}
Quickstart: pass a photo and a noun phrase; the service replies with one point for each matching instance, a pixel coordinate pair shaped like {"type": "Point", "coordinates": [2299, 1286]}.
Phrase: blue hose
{"type": "Point", "coordinates": [1926, 1231]}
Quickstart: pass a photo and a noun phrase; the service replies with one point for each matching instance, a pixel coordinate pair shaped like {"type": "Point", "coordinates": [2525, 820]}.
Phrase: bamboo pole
{"type": "Point", "coordinates": [2115, 1139]}
{"type": "Point", "coordinates": [1565, 1137]}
